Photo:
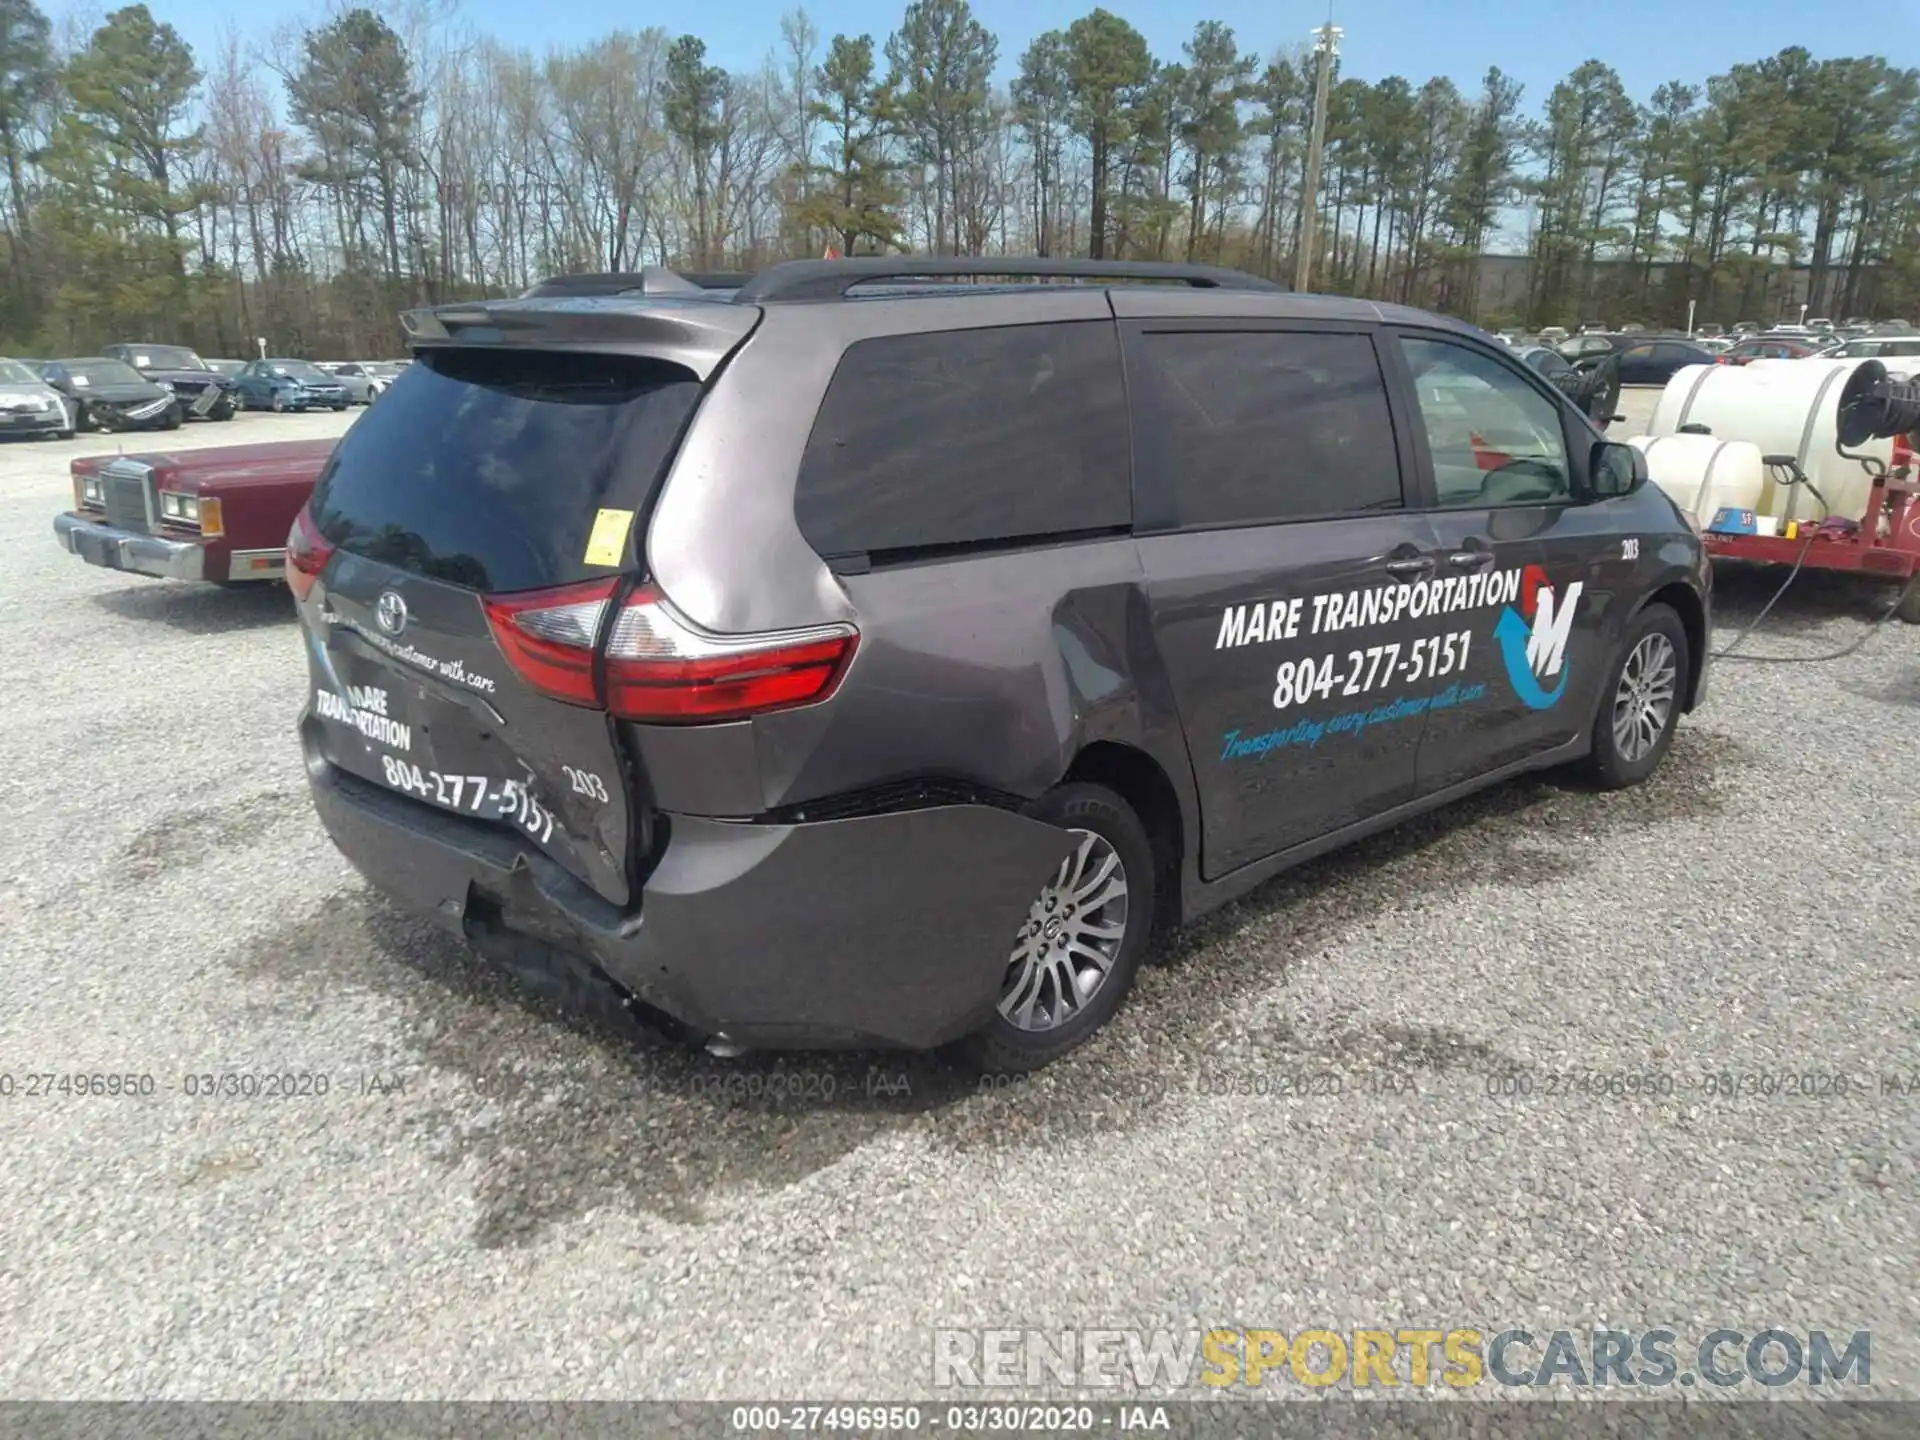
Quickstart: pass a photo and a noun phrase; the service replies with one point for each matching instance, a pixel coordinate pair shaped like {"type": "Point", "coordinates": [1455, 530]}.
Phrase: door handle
{"type": "Point", "coordinates": [1470, 559]}
{"type": "Point", "coordinates": [1413, 565]}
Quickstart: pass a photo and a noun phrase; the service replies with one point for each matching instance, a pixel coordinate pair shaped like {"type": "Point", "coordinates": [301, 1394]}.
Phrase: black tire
{"type": "Point", "coordinates": [1608, 765]}
{"type": "Point", "coordinates": [222, 410]}
{"type": "Point", "coordinates": [176, 417]}
{"type": "Point", "coordinates": [1909, 607]}
{"type": "Point", "coordinates": [63, 434]}
{"type": "Point", "coordinates": [1606, 395]}
{"type": "Point", "coordinates": [338, 409]}
{"type": "Point", "coordinates": [1000, 1046]}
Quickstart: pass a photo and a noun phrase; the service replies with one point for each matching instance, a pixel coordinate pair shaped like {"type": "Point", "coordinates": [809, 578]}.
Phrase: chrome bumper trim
{"type": "Point", "coordinates": [114, 549]}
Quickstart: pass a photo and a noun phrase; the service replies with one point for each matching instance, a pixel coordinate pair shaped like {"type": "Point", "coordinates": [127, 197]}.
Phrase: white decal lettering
{"type": "Point", "coordinates": [1552, 625]}
{"type": "Point", "coordinates": [1329, 612]}
{"type": "Point", "coordinates": [372, 723]}
{"type": "Point", "coordinates": [1233, 628]}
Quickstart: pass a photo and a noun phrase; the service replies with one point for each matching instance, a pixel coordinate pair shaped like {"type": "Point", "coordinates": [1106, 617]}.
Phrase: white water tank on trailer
{"type": "Point", "coordinates": [1788, 407]}
{"type": "Point", "coordinates": [1703, 474]}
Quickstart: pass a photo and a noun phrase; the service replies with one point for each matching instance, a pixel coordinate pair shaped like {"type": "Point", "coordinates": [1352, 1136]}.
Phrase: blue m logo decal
{"type": "Point", "coordinates": [1535, 647]}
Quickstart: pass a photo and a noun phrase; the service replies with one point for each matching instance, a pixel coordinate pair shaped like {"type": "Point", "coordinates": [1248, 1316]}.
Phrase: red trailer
{"type": "Point", "coordinates": [1885, 542]}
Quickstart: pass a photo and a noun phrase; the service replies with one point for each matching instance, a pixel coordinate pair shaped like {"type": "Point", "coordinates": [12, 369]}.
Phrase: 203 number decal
{"type": "Point", "coordinates": [585, 782]}
{"type": "Point", "coordinates": [1298, 681]}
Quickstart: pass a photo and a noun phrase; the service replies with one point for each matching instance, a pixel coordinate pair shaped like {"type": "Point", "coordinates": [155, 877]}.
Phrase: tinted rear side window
{"type": "Point", "coordinates": [486, 468]}
{"type": "Point", "coordinates": [968, 437]}
{"type": "Point", "coordinates": [1250, 427]}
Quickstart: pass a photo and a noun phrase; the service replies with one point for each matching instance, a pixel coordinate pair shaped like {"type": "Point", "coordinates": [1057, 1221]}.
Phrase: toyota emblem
{"type": "Point", "coordinates": [391, 613]}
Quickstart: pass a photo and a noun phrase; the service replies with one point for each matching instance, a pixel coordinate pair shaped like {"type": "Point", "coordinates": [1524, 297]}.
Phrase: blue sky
{"type": "Point", "coordinates": [1537, 41]}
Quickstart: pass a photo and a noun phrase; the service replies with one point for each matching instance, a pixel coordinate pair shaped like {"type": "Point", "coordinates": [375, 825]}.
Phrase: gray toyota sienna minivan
{"type": "Point", "coordinates": [860, 654]}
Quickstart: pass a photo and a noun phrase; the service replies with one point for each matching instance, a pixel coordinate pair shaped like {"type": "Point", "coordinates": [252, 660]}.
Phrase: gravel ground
{"type": "Point", "coordinates": [494, 1201]}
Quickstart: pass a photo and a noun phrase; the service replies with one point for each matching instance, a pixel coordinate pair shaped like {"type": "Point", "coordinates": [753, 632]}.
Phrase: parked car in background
{"type": "Point", "coordinates": [364, 379]}
{"type": "Point", "coordinates": [229, 368]}
{"type": "Point", "coordinates": [1746, 327]}
{"type": "Point", "coordinates": [1765, 347]}
{"type": "Point", "coordinates": [220, 515]}
{"type": "Point", "coordinates": [1818, 322]}
{"type": "Point", "coordinates": [204, 391]}
{"type": "Point", "coordinates": [1593, 385]}
{"type": "Point", "coordinates": [110, 394]}
{"type": "Point", "coordinates": [288, 384]}
{"type": "Point", "coordinates": [1584, 344]}
{"type": "Point", "coordinates": [1552, 334]}
{"type": "Point", "coordinates": [1654, 361]}
{"type": "Point", "coordinates": [1713, 343]}
{"type": "Point", "coordinates": [1710, 332]}
{"type": "Point", "coordinates": [29, 405]}
{"type": "Point", "coordinates": [1879, 347]}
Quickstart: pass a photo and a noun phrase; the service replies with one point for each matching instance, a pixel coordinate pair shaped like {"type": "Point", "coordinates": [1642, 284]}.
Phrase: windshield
{"type": "Point", "coordinates": [103, 372]}
{"type": "Point", "coordinates": [12, 372]}
{"type": "Point", "coordinates": [166, 357]}
{"type": "Point", "coordinates": [299, 370]}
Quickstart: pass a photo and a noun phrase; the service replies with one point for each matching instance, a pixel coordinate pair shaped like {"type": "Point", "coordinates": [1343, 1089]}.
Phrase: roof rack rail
{"type": "Point", "coordinates": [799, 280]}
{"type": "Point", "coordinates": [653, 280]}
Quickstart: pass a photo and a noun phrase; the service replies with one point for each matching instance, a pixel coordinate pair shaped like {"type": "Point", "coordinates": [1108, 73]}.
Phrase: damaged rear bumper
{"type": "Point", "coordinates": [886, 930]}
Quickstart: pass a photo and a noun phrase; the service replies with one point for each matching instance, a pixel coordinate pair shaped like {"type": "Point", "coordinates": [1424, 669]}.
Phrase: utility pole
{"type": "Point", "coordinates": [1327, 42]}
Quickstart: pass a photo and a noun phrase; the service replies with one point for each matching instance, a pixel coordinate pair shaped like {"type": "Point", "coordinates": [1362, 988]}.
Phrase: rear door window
{"type": "Point", "coordinates": [1254, 427]}
{"type": "Point", "coordinates": [487, 468]}
{"type": "Point", "coordinates": [968, 437]}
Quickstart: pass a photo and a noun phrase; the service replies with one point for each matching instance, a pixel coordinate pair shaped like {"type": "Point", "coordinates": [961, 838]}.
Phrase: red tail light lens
{"type": "Point", "coordinates": [661, 667]}
{"type": "Point", "coordinates": [307, 555]}
{"type": "Point", "coordinates": [547, 636]}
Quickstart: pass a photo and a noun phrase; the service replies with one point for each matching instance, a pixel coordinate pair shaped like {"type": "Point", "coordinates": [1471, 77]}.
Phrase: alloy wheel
{"type": "Point", "coordinates": [1643, 704]}
{"type": "Point", "coordinates": [1071, 939]}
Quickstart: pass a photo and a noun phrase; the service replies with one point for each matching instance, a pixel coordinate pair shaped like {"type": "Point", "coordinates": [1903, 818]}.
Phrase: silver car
{"type": "Point", "coordinates": [365, 379]}
{"type": "Point", "coordinates": [30, 406]}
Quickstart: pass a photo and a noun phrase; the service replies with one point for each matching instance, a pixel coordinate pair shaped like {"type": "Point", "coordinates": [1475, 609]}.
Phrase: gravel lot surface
{"type": "Point", "coordinates": [494, 1201]}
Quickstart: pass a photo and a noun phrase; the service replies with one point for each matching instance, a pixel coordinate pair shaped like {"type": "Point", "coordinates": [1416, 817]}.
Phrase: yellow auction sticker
{"type": "Point", "coordinates": [607, 544]}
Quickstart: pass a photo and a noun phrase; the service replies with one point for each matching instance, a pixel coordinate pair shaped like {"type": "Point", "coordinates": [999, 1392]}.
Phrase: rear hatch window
{"type": "Point", "coordinates": [487, 468]}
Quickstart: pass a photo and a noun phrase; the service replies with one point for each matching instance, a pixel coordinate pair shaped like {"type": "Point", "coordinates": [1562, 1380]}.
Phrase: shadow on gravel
{"type": "Point", "coordinates": [189, 837]}
{"type": "Point", "coordinates": [556, 1115]}
{"type": "Point", "coordinates": [1903, 691]}
{"type": "Point", "coordinates": [1814, 600]}
{"type": "Point", "coordinates": [201, 609]}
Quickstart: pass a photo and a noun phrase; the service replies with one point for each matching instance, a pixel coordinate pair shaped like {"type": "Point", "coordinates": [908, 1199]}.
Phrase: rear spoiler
{"type": "Point", "coordinates": [695, 334]}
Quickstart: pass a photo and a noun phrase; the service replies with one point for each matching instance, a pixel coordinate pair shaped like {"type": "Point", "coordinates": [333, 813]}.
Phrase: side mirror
{"type": "Point", "coordinates": [1614, 470]}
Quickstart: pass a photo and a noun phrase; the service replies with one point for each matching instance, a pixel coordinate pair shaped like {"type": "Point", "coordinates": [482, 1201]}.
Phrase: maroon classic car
{"type": "Point", "coordinates": [220, 514]}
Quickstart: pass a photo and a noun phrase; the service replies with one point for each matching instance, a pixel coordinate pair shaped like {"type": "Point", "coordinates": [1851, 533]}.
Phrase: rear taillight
{"type": "Point", "coordinates": [307, 555]}
{"type": "Point", "coordinates": [660, 666]}
{"type": "Point", "coordinates": [547, 636]}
